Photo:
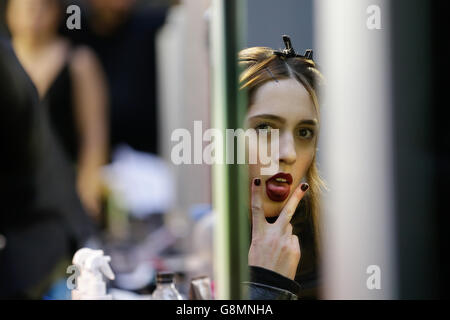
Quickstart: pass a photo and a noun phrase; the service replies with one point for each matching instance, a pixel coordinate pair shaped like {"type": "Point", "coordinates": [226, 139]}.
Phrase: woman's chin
{"type": "Point", "coordinates": [272, 209]}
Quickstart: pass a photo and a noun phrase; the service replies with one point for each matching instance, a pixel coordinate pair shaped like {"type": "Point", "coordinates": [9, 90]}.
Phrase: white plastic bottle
{"type": "Point", "coordinates": [165, 287]}
{"type": "Point", "coordinates": [92, 265]}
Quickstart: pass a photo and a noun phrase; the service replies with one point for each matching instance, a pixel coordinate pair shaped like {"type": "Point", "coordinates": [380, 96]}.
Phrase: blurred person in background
{"type": "Point", "coordinates": [42, 222]}
{"type": "Point", "coordinates": [70, 81]}
{"type": "Point", "coordinates": [122, 33]}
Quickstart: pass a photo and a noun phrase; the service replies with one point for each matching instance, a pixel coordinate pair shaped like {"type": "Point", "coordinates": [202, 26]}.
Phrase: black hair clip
{"type": "Point", "coordinates": [289, 51]}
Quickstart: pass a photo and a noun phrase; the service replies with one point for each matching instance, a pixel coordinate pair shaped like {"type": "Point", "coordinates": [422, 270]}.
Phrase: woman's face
{"type": "Point", "coordinates": [33, 17]}
{"type": "Point", "coordinates": [287, 106]}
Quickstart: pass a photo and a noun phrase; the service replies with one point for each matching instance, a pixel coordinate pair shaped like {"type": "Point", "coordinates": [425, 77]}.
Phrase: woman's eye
{"type": "Point", "coordinates": [264, 126]}
{"type": "Point", "coordinates": [305, 133]}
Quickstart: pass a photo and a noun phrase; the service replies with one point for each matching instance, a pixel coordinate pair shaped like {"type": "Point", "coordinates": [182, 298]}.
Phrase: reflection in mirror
{"type": "Point", "coordinates": [284, 205]}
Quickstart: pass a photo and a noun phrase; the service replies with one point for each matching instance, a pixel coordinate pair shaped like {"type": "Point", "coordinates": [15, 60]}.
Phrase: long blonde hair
{"type": "Point", "coordinates": [260, 65]}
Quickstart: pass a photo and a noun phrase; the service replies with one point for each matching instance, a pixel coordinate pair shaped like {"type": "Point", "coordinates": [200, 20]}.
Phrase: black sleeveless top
{"type": "Point", "coordinates": [59, 99]}
{"type": "Point", "coordinates": [40, 213]}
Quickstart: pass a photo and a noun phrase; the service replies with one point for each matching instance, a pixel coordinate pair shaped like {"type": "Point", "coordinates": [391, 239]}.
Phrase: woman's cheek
{"type": "Point", "coordinates": [305, 157]}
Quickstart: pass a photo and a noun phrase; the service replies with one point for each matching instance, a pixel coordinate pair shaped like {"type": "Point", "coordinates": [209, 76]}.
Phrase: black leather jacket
{"type": "Point", "coordinates": [265, 284]}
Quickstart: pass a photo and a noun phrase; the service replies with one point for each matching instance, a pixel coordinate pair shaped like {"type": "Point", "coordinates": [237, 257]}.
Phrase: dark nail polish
{"type": "Point", "coordinates": [304, 187]}
{"type": "Point", "coordinates": [257, 182]}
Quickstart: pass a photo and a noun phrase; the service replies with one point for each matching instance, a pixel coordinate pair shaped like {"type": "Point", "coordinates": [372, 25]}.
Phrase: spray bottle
{"type": "Point", "coordinates": [92, 265]}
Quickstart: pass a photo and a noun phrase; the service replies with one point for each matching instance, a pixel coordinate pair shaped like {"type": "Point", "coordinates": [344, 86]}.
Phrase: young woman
{"type": "Point", "coordinates": [70, 82]}
{"type": "Point", "coordinates": [284, 207]}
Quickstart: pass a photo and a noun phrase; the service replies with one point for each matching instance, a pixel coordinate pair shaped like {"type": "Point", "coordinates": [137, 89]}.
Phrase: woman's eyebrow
{"type": "Point", "coordinates": [268, 116]}
{"type": "Point", "coordinates": [311, 122]}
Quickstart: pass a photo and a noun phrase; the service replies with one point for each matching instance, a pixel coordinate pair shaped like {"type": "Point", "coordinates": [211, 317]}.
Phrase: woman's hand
{"type": "Point", "coordinates": [273, 246]}
{"type": "Point", "coordinates": [89, 187]}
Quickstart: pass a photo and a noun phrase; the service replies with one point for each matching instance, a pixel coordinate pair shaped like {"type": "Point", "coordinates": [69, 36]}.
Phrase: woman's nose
{"type": "Point", "coordinates": [288, 154]}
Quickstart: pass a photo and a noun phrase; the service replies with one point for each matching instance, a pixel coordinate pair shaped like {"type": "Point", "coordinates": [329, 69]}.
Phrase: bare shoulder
{"type": "Point", "coordinates": [84, 60]}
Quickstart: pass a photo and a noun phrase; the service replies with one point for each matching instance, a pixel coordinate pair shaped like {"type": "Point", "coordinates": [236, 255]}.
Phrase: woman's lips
{"type": "Point", "coordinates": [278, 186]}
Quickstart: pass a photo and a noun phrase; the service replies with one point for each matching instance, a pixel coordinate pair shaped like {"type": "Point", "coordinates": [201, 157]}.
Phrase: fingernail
{"type": "Point", "coordinates": [304, 187]}
{"type": "Point", "coordinates": [257, 182]}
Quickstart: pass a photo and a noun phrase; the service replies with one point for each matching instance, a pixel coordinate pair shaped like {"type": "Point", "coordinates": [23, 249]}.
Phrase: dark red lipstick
{"type": "Point", "coordinates": [278, 186]}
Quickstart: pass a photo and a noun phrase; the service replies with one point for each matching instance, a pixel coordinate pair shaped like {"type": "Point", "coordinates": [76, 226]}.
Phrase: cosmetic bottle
{"type": "Point", "coordinates": [200, 289]}
{"type": "Point", "coordinates": [92, 267]}
{"type": "Point", "coordinates": [165, 287]}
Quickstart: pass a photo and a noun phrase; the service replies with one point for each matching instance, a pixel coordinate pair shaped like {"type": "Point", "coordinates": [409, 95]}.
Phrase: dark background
{"type": "Point", "coordinates": [420, 58]}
